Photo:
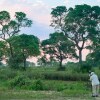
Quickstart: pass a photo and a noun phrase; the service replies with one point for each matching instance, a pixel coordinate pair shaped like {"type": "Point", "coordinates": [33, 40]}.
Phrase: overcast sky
{"type": "Point", "coordinates": [39, 12]}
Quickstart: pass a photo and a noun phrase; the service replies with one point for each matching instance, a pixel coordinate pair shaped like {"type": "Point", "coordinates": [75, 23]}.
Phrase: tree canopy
{"type": "Point", "coordinates": [79, 24]}
{"type": "Point", "coordinates": [59, 47]}
{"type": "Point", "coordinates": [25, 46]}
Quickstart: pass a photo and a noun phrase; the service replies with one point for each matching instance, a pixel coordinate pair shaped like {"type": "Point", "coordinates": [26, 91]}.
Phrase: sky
{"type": "Point", "coordinates": [39, 12]}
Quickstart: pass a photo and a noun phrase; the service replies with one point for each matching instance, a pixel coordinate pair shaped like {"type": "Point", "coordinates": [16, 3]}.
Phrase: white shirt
{"type": "Point", "coordinates": [94, 79]}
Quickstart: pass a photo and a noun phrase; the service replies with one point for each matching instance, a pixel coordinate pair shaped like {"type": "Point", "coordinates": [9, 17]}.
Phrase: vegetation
{"type": "Point", "coordinates": [74, 28]}
{"type": "Point", "coordinates": [59, 47]}
{"type": "Point", "coordinates": [65, 84]}
{"type": "Point", "coordinates": [79, 24]}
{"type": "Point", "coordinates": [23, 47]}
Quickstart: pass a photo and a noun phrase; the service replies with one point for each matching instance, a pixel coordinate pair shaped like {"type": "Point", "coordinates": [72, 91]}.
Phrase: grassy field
{"type": "Point", "coordinates": [41, 95]}
{"type": "Point", "coordinates": [44, 84]}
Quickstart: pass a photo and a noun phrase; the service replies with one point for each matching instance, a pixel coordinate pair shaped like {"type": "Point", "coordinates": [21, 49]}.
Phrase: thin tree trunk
{"type": "Point", "coordinates": [80, 57]}
{"type": "Point", "coordinates": [11, 50]}
{"type": "Point", "coordinates": [24, 63]}
{"type": "Point", "coordinates": [61, 64]}
{"type": "Point", "coordinates": [60, 61]}
{"type": "Point", "coordinates": [24, 60]}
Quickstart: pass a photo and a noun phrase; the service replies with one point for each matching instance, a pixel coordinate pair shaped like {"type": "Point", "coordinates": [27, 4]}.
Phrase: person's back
{"type": "Point", "coordinates": [95, 84]}
{"type": "Point", "coordinates": [94, 79]}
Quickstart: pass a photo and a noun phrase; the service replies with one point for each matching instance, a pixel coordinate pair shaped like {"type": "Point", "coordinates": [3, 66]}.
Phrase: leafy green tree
{"type": "Point", "coordinates": [78, 24]}
{"type": "Point", "coordinates": [58, 47]}
{"type": "Point", "coordinates": [25, 46]}
{"type": "Point", "coordinates": [10, 28]}
{"type": "Point", "coordinates": [42, 60]}
{"type": "Point", "coordinates": [94, 56]}
{"type": "Point", "coordinates": [58, 16]}
{"type": "Point", "coordinates": [2, 50]}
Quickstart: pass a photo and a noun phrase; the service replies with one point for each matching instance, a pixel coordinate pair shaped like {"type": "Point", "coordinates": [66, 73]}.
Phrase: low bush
{"type": "Point", "coordinates": [61, 68]}
{"type": "Point", "coordinates": [19, 81]}
{"type": "Point", "coordinates": [86, 67]}
{"type": "Point", "coordinates": [65, 76]}
{"type": "Point", "coordinates": [6, 74]}
{"type": "Point", "coordinates": [38, 85]}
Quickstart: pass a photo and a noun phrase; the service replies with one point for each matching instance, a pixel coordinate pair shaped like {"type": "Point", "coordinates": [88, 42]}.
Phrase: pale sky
{"type": "Point", "coordinates": [39, 12]}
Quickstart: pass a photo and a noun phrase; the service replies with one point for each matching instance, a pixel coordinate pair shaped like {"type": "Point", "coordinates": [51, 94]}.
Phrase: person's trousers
{"type": "Point", "coordinates": [95, 90]}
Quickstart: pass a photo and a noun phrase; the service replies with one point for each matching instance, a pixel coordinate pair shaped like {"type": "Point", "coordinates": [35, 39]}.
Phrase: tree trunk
{"type": "Point", "coordinates": [24, 60]}
{"type": "Point", "coordinates": [60, 65]}
{"type": "Point", "coordinates": [80, 57]}
{"type": "Point", "coordinates": [11, 50]}
{"type": "Point", "coordinates": [24, 63]}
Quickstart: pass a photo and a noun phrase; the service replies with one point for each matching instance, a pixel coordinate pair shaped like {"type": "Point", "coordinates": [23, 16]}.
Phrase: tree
{"type": "Point", "coordinates": [10, 28]}
{"type": "Point", "coordinates": [42, 61]}
{"type": "Point", "coordinates": [78, 24]}
{"type": "Point", "coordinates": [25, 46]}
{"type": "Point", "coordinates": [58, 47]}
{"type": "Point", "coordinates": [2, 49]}
{"type": "Point", "coordinates": [94, 56]}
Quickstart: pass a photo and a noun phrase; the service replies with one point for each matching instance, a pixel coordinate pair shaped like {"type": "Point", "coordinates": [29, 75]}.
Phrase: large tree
{"type": "Point", "coordinates": [25, 46]}
{"type": "Point", "coordinates": [94, 55]}
{"type": "Point", "coordinates": [10, 28]}
{"type": "Point", "coordinates": [2, 50]}
{"type": "Point", "coordinates": [58, 47]}
{"type": "Point", "coordinates": [78, 24]}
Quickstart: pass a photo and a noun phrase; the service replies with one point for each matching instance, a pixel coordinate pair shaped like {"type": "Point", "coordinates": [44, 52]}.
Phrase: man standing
{"type": "Point", "coordinates": [95, 84]}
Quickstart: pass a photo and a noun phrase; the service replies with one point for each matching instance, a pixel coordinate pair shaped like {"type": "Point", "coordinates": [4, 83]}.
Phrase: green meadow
{"type": "Point", "coordinates": [44, 83]}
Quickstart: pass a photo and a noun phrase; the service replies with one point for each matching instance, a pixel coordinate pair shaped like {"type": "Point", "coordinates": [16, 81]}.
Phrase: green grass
{"type": "Point", "coordinates": [57, 89]}
{"type": "Point", "coordinates": [40, 95]}
{"type": "Point", "coordinates": [54, 90]}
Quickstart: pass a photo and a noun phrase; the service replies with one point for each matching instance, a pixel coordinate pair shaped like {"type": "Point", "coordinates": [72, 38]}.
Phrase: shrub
{"type": "Point", "coordinates": [86, 67]}
{"type": "Point", "coordinates": [38, 85]}
{"type": "Point", "coordinates": [66, 77]}
{"type": "Point", "coordinates": [61, 68]}
{"type": "Point", "coordinates": [6, 74]}
{"type": "Point", "coordinates": [19, 81]}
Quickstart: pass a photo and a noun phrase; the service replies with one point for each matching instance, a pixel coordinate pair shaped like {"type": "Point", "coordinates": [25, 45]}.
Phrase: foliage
{"type": "Point", "coordinates": [20, 81]}
{"type": "Point", "coordinates": [15, 62]}
{"type": "Point", "coordinates": [2, 49]}
{"type": "Point", "coordinates": [10, 28]}
{"type": "Point", "coordinates": [7, 74]}
{"type": "Point", "coordinates": [94, 56]}
{"type": "Point", "coordinates": [79, 24]}
{"type": "Point", "coordinates": [38, 85]}
{"type": "Point", "coordinates": [23, 46]}
{"type": "Point", "coordinates": [46, 74]}
{"type": "Point", "coordinates": [66, 77]}
{"type": "Point", "coordinates": [86, 67]}
{"type": "Point", "coordinates": [58, 47]}
{"type": "Point", "coordinates": [42, 61]}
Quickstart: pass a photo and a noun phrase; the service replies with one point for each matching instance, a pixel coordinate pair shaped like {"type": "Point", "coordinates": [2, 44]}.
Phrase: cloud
{"type": "Point", "coordinates": [98, 1]}
{"type": "Point", "coordinates": [66, 1]}
{"type": "Point", "coordinates": [2, 2]}
{"type": "Point", "coordinates": [37, 10]}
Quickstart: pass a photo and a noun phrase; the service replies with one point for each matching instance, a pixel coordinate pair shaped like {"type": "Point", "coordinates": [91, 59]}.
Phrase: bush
{"type": "Point", "coordinates": [86, 67]}
{"type": "Point", "coordinates": [66, 77]}
{"type": "Point", "coordinates": [6, 74]}
{"type": "Point", "coordinates": [61, 68]}
{"type": "Point", "coordinates": [38, 85]}
{"type": "Point", "coordinates": [19, 81]}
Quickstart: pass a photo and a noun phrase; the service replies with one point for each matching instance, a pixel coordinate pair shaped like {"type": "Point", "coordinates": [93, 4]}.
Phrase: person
{"type": "Point", "coordinates": [95, 84]}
